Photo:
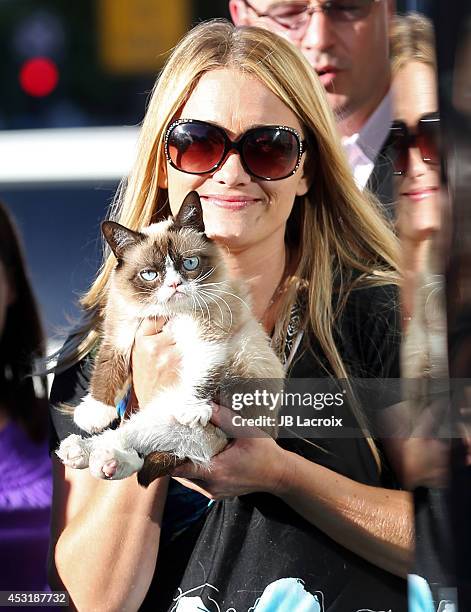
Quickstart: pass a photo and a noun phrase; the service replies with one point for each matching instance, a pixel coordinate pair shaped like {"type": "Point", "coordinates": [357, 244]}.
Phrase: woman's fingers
{"type": "Point", "coordinates": [190, 484]}
{"type": "Point", "coordinates": [222, 417]}
{"type": "Point", "coordinates": [150, 327]}
{"type": "Point", "coordinates": [155, 360]}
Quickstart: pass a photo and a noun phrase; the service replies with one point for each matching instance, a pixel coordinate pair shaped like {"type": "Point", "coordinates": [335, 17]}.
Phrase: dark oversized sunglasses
{"type": "Point", "coordinates": [269, 152]}
{"type": "Point", "coordinates": [296, 15]}
{"type": "Point", "coordinates": [425, 137]}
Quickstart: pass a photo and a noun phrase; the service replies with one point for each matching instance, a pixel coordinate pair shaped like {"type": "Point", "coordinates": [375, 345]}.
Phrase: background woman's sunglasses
{"type": "Point", "coordinates": [270, 153]}
{"type": "Point", "coordinates": [426, 137]}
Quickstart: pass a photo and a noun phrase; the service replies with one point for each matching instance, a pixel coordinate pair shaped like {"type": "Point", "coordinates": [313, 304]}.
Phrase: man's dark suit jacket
{"type": "Point", "coordinates": [381, 181]}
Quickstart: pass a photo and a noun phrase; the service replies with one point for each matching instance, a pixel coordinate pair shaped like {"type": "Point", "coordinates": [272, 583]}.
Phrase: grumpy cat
{"type": "Point", "coordinates": [170, 269]}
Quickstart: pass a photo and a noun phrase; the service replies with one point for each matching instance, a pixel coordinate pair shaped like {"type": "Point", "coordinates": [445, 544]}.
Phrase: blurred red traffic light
{"type": "Point", "coordinates": [38, 77]}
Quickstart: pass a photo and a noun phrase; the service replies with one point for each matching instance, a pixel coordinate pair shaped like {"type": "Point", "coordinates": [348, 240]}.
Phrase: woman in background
{"type": "Point", "coordinates": [421, 228]}
{"type": "Point", "coordinates": [25, 470]}
{"type": "Point", "coordinates": [415, 135]}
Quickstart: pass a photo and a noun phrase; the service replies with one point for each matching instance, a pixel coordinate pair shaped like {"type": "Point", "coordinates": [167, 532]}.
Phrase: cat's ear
{"type": "Point", "coordinates": [190, 213]}
{"type": "Point", "coordinates": [119, 237]}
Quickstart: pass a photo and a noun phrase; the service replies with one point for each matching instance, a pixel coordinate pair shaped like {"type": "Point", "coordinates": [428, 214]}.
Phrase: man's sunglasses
{"type": "Point", "coordinates": [425, 137]}
{"type": "Point", "coordinates": [295, 15]}
{"type": "Point", "coordinates": [270, 152]}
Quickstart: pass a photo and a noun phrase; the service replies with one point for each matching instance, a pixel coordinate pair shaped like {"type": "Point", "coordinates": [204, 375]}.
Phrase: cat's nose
{"type": "Point", "coordinates": [176, 283]}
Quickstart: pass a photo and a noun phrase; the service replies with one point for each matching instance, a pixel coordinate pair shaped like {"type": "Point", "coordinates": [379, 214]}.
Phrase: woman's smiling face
{"type": "Point", "coordinates": [239, 210]}
{"type": "Point", "coordinates": [414, 96]}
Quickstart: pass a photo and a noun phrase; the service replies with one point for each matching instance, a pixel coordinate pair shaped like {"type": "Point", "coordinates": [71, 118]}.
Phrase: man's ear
{"type": "Point", "coordinates": [238, 13]}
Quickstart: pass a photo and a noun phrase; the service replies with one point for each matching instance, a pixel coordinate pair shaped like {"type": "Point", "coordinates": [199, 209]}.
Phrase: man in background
{"type": "Point", "coordinates": [346, 42]}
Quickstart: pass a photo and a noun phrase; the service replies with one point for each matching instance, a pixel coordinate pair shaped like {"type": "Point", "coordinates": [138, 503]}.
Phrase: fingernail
{"type": "Point", "coordinates": [215, 408]}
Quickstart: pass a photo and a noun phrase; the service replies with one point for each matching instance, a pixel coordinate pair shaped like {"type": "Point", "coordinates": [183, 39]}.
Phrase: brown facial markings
{"type": "Point", "coordinates": [152, 253]}
{"type": "Point", "coordinates": [185, 244]}
{"type": "Point", "coordinates": [148, 255]}
{"type": "Point", "coordinates": [175, 256]}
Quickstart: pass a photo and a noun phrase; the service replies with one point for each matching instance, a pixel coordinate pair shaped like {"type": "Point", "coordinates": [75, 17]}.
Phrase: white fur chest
{"type": "Point", "coordinates": [199, 355]}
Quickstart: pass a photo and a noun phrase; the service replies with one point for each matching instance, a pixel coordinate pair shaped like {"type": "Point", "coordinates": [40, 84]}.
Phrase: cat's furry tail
{"type": "Point", "coordinates": [157, 464]}
{"type": "Point", "coordinates": [195, 445]}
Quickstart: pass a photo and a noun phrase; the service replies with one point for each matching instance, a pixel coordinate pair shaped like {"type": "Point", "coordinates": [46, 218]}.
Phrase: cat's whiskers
{"type": "Point", "coordinates": [198, 297]}
{"type": "Point", "coordinates": [194, 309]}
{"type": "Point", "coordinates": [230, 293]}
{"type": "Point", "coordinates": [220, 309]}
{"type": "Point", "coordinates": [226, 283]}
{"type": "Point", "coordinates": [207, 307]}
{"type": "Point", "coordinates": [215, 296]}
{"type": "Point", "coordinates": [194, 295]}
{"type": "Point", "coordinates": [205, 276]}
{"type": "Point", "coordinates": [197, 301]}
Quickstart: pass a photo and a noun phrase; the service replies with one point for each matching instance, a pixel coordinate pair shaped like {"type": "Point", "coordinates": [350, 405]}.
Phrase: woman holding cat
{"type": "Point", "coordinates": [296, 524]}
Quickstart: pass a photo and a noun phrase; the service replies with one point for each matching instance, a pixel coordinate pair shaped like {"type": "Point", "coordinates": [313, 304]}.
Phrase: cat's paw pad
{"type": "Point", "coordinates": [114, 464]}
{"type": "Point", "coordinates": [94, 416]}
{"type": "Point", "coordinates": [194, 415]}
{"type": "Point", "coordinates": [74, 452]}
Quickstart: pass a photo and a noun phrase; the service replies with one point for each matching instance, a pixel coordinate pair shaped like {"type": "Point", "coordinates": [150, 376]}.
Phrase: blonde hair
{"type": "Point", "coordinates": [411, 39]}
{"type": "Point", "coordinates": [340, 230]}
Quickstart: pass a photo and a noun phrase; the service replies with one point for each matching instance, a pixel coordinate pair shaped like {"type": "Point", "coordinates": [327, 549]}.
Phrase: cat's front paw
{"type": "Point", "coordinates": [113, 464]}
{"type": "Point", "coordinates": [198, 414]}
{"type": "Point", "coordinates": [93, 416]}
{"type": "Point", "coordinates": [74, 451]}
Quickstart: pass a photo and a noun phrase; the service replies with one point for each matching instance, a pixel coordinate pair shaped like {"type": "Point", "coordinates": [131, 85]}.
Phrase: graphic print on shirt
{"type": "Point", "coordinates": [283, 595]}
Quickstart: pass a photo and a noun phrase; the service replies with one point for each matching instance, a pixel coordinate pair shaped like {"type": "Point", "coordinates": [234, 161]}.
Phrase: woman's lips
{"type": "Point", "coordinates": [236, 202]}
{"type": "Point", "coordinates": [420, 194]}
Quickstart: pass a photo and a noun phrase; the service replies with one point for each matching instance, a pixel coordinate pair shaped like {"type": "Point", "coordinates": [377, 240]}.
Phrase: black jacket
{"type": "Point", "coordinates": [381, 181]}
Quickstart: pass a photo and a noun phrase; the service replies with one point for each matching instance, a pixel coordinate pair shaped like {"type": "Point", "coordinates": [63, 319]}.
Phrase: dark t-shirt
{"type": "Point", "coordinates": [254, 552]}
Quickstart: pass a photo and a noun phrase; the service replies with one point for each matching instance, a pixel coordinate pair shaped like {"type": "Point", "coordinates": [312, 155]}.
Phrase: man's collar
{"type": "Point", "coordinates": [363, 148]}
{"type": "Point", "coordinates": [373, 134]}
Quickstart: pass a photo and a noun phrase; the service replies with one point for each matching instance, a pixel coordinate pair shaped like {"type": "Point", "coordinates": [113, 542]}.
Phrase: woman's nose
{"type": "Point", "coordinates": [416, 165]}
{"type": "Point", "coordinates": [231, 172]}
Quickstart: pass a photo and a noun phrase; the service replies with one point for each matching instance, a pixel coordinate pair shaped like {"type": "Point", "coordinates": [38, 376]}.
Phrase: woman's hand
{"type": "Point", "coordinates": [373, 522]}
{"type": "Point", "coordinates": [425, 462]}
{"type": "Point", "coordinates": [246, 465]}
{"type": "Point", "coordinates": [155, 360]}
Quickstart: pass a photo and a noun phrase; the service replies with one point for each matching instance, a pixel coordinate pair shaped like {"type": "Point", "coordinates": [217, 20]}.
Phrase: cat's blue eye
{"type": "Point", "coordinates": [148, 275]}
{"type": "Point", "coordinates": [191, 263]}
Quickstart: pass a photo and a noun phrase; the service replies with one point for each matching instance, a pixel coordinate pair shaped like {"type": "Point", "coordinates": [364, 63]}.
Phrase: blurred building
{"type": "Point", "coordinates": [75, 78]}
{"type": "Point", "coordinates": [87, 63]}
